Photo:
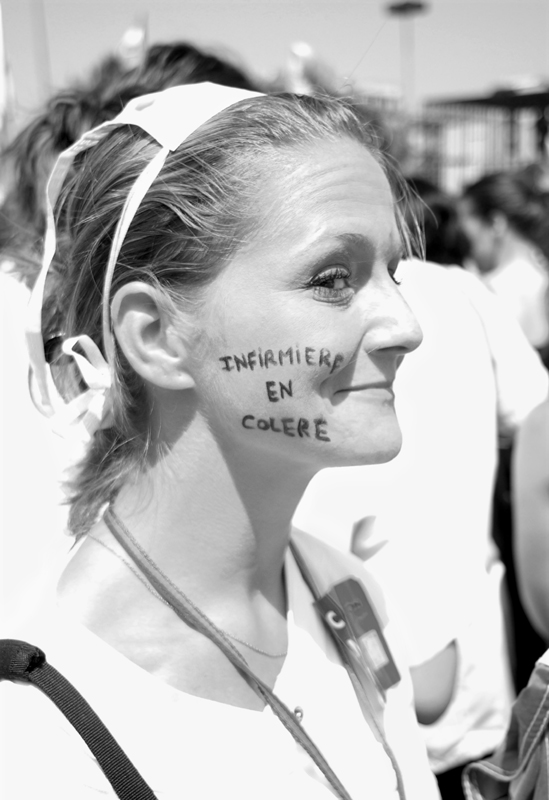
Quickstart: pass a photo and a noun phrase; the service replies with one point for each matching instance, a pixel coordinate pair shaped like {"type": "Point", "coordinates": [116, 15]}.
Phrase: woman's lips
{"type": "Point", "coordinates": [363, 387]}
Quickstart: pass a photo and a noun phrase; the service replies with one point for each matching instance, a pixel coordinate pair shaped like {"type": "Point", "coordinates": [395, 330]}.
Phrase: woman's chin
{"type": "Point", "coordinates": [379, 452]}
{"type": "Point", "coordinates": [386, 454]}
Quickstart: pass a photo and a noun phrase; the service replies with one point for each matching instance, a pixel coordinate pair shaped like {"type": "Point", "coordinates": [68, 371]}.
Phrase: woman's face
{"type": "Point", "coordinates": [302, 332]}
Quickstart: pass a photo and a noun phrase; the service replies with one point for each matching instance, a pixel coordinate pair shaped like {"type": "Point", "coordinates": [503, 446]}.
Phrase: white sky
{"type": "Point", "coordinates": [461, 46]}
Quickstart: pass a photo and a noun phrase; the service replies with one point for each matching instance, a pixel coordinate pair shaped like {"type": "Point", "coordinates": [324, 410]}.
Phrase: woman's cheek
{"type": "Point", "coordinates": [279, 388]}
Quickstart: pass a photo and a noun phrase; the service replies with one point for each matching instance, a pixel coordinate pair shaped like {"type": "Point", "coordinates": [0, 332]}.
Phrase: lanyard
{"type": "Point", "coordinates": [193, 616]}
{"type": "Point", "coordinates": [349, 615]}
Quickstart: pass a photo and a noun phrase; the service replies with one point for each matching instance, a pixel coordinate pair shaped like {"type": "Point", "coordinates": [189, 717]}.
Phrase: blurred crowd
{"type": "Point", "coordinates": [456, 528]}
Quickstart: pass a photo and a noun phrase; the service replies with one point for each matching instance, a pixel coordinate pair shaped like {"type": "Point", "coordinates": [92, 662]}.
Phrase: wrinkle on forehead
{"type": "Point", "coordinates": [301, 178]}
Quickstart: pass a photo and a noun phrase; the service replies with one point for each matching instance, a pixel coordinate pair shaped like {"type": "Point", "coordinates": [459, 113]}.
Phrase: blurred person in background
{"type": "Point", "coordinates": [440, 221]}
{"type": "Point", "coordinates": [505, 216]}
{"type": "Point", "coordinates": [531, 516]}
{"type": "Point", "coordinates": [28, 159]}
{"type": "Point", "coordinates": [445, 242]}
{"type": "Point", "coordinates": [520, 766]}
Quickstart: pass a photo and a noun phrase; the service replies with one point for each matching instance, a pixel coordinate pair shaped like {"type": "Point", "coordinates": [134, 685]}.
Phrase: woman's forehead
{"type": "Point", "coordinates": [328, 174]}
{"type": "Point", "coordinates": [335, 193]}
{"type": "Point", "coordinates": [325, 157]}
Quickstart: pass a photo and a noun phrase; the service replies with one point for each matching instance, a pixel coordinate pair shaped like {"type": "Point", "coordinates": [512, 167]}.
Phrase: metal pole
{"type": "Point", "coordinates": [406, 11]}
{"type": "Point", "coordinates": [42, 61]}
{"type": "Point", "coordinates": [407, 61]}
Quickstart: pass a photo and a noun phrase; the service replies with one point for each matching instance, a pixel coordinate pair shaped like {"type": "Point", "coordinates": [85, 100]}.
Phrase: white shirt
{"type": "Point", "coordinates": [522, 285]}
{"type": "Point", "coordinates": [186, 746]}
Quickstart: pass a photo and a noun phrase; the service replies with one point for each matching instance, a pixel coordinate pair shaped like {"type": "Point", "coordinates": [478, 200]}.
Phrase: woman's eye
{"type": "Point", "coordinates": [333, 284]}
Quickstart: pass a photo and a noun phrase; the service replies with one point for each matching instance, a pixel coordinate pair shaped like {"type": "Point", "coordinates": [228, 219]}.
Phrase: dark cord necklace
{"type": "Point", "coordinates": [193, 616]}
{"type": "Point", "coordinates": [158, 596]}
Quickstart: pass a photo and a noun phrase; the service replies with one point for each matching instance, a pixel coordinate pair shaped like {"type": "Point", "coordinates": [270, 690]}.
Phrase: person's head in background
{"type": "Point", "coordinates": [505, 215]}
{"type": "Point", "coordinates": [436, 212]}
{"type": "Point", "coordinates": [29, 158]}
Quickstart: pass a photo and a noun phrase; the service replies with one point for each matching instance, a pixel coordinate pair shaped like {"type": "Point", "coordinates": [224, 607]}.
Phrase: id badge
{"type": "Point", "coordinates": [349, 614]}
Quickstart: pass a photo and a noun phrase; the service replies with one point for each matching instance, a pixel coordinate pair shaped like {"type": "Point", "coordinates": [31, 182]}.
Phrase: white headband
{"type": "Point", "coordinates": [169, 117]}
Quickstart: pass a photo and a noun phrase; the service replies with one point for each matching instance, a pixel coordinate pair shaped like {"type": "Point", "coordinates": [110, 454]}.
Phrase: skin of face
{"type": "Point", "coordinates": [316, 278]}
{"type": "Point", "coordinates": [482, 236]}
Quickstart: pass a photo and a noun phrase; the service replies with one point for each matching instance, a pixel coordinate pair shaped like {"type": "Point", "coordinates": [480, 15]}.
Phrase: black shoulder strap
{"type": "Point", "coordinates": [20, 661]}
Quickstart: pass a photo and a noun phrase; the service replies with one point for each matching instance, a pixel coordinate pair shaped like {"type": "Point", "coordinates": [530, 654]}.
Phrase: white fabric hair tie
{"type": "Point", "coordinates": [169, 117]}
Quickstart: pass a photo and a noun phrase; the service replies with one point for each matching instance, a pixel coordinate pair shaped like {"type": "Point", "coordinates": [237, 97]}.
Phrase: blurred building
{"type": "Point", "coordinates": [459, 140]}
{"type": "Point", "coordinates": [450, 142]}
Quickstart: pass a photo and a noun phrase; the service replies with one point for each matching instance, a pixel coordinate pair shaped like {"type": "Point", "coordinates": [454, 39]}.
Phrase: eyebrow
{"type": "Point", "coordinates": [395, 250]}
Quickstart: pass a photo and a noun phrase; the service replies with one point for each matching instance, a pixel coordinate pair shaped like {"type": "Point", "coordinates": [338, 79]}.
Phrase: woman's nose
{"type": "Point", "coordinates": [396, 326]}
{"type": "Point", "coordinates": [411, 332]}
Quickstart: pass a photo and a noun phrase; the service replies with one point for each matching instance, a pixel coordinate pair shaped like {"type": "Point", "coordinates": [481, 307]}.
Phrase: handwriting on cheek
{"type": "Point", "coordinates": [289, 426]}
{"type": "Point", "coordinates": [274, 394]}
{"type": "Point", "coordinates": [309, 356]}
{"type": "Point", "coordinates": [279, 390]}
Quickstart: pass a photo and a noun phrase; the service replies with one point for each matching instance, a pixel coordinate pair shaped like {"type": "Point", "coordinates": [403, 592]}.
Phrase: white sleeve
{"type": "Point", "coordinates": [521, 379]}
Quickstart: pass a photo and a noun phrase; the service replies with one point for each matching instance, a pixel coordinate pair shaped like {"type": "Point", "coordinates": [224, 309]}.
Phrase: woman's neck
{"type": "Point", "coordinates": [218, 526]}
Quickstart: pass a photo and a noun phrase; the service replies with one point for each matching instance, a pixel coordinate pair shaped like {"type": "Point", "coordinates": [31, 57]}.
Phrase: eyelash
{"type": "Point", "coordinates": [325, 292]}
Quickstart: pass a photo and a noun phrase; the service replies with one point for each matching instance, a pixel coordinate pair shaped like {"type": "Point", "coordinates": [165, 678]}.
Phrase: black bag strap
{"type": "Point", "coordinates": [20, 661]}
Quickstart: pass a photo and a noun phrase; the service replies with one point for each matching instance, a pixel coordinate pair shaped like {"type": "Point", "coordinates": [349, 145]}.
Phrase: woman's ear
{"type": "Point", "coordinates": [148, 337]}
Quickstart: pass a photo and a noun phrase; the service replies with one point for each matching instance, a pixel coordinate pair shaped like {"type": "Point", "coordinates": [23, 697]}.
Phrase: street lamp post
{"type": "Point", "coordinates": [406, 11]}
